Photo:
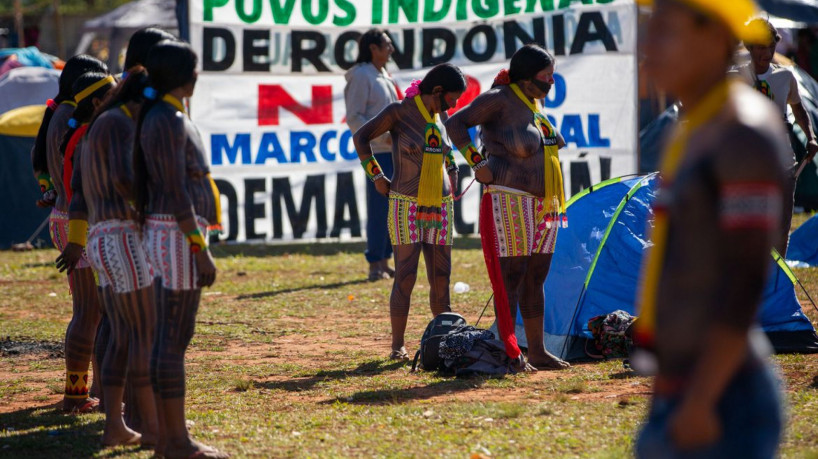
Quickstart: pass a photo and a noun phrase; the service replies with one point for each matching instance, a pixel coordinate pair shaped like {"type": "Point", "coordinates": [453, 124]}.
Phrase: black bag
{"type": "Point", "coordinates": [468, 351]}
{"type": "Point", "coordinates": [438, 328]}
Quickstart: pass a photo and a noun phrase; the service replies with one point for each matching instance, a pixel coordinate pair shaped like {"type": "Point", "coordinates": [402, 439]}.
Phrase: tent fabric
{"type": "Point", "coordinates": [22, 122]}
{"type": "Point", "coordinates": [596, 267]}
{"type": "Point", "coordinates": [27, 86]}
{"type": "Point", "coordinates": [21, 190]}
{"type": "Point", "coordinates": [136, 15]}
{"type": "Point", "coordinates": [804, 243]}
{"type": "Point", "coordinates": [29, 57]}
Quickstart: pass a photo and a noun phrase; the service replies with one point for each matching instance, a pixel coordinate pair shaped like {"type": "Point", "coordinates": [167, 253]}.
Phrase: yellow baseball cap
{"type": "Point", "coordinates": [734, 13]}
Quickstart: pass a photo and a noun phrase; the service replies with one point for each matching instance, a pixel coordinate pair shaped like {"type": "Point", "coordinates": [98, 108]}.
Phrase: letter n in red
{"type": "Point", "coordinates": [273, 97]}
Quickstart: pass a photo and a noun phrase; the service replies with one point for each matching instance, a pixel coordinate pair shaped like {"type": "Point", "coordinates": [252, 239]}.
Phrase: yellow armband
{"type": "Point", "coordinates": [473, 156]}
{"type": "Point", "coordinates": [78, 232]}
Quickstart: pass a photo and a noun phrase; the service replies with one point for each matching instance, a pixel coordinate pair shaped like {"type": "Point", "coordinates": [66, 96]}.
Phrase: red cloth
{"type": "Point", "coordinates": [505, 323]}
{"type": "Point", "coordinates": [68, 160]}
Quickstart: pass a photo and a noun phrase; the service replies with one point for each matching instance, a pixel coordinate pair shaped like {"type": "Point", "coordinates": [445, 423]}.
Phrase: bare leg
{"type": "Point", "coordinates": [406, 273]}
{"type": "Point", "coordinates": [114, 372]}
{"type": "Point", "coordinates": [513, 269]}
{"type": "Point", "coordinates": [176, 314]}
{"type": "Point", "coordinates": [140, 316]}
{"type": "Point", "coordinates": [438, 272]}
{"type": "Point", "coordinates": [102, 339]}
{"type": "Point", "coordinates": [532, 308]}
{"type": "Point", "coordinates": [79, 337]}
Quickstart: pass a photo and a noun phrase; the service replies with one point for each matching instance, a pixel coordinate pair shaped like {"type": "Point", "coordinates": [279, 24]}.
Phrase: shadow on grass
{"type": "Point", "coordinates": [409, 394]}
{"type": "Point", "coordinates": [371, 368]}
{"type": "Point", "coordinates": [272, 250]}
{"type": "Point", "coordinates": [223, 250]}
{"type": "Point", "coordinates": [46, 431]}
{"type": "Point", "coordinates": [253, 296]}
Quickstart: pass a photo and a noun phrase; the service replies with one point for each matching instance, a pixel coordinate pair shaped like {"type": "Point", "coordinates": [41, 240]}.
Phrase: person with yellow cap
{"type": "Point", "coordinates": [717, 216]}
{"type": "Point", "coordinates": [778, 83]}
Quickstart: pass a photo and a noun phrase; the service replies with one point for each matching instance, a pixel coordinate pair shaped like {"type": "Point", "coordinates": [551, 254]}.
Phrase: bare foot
{"type": "Point", "coordinates": [521, 365]}
{"type": "Point", "coordinates": [194, 449]}
{"type": "Point", "coordinates": [123, 437]}
{"type": "Point", "coordinates": [549, 362]}
{"type": "Point", "coordinates": [150, 440]}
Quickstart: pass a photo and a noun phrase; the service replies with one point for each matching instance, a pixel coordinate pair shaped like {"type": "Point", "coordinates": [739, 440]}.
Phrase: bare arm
{"type": "Point", "coordinates": [78, 207]}
{"type": "Point", "coordinates": [750, 215]}
{"type": "Point", "coordinates": [373, 129]}
{"type": "Point", "coordinates": [486, 107]}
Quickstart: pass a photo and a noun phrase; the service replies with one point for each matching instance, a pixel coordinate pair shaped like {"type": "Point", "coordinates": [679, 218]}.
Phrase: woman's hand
{"type": "Point", "coordinates": [205, 267]}
{"type": "Point", "coordinates": [383, 185]}
{"type": "Point", "coordinates": [484, 175]}
{"type": "Point", "coordinates": [69, 257]}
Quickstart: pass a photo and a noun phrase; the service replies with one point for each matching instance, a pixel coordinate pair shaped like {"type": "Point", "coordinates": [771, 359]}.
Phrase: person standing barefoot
{"type": "Point", "coordinates": [420, 201]}
{"type": "Point", "coordinates": [524, 203]}
{"type": "Point", "coordinates": [178, 201]}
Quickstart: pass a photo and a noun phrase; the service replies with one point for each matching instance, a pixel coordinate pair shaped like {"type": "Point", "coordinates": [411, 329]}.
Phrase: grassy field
{"type": "Point", "coordinates": [289, 361]}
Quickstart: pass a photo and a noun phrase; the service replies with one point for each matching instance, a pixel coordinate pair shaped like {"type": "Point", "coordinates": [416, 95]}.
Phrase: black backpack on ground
{"type": "Point", "coordinates": [438, 328]}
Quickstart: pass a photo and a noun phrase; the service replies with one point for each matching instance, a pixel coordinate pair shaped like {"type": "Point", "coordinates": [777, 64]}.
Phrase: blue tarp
{"type": "Point", "coordinates": [804, 243]}
{"type": "Point", "coordinates": [572, 296]}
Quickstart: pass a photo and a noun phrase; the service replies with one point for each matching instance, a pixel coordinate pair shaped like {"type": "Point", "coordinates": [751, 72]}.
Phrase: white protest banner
{"type": "Point", "coordinates": [269, 101]}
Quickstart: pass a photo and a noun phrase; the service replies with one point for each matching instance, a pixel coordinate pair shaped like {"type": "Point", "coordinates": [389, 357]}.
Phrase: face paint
{"type": "Point", "coordinates": [541, 85]}
{"type": "Point", "coordinates": [444, 105]}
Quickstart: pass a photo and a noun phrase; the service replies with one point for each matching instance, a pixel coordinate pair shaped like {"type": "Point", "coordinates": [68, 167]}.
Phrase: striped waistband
{"type": "Point", "coordinates": [403, 197]}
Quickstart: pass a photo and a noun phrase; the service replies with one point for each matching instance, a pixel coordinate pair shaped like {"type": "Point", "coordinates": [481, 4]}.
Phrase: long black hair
{"type": "Point", "coordinates": [141, 43]}
{"type": "Point", "coordinates": [85, 107]}
{"type": "Point", "coordinates": [447, 76]}
{"type": "Point", "coordinates": [528, 61]}
{"type": "Point", "coordinates": [74, 68]}
{"type": "Point", "coordinates": [170, 65]}
{"type": "Point", "coordinates": [129, 90]}
{"type": "Point", "coordinates": [370, 37]}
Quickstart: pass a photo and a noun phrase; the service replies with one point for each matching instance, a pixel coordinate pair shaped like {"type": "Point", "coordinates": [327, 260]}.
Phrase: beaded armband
{"type": "Point", "coordinates": [372, 168]}
{"type": "Point", "coordinates": [196, 240]}
{"type": "Point", "coordinates": [476, 160]}
{"type": "Point", "coordinates": [45, 182]}
{"type": "Point", "coordinates": [451, 164]}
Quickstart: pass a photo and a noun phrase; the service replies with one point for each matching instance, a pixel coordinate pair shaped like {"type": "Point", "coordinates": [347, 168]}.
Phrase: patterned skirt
{"type": "Point", "coordinates": [520, 223]}
{"type": "Point", "coordinates": [58, 228]}
{"type": "Point", "coordinates": [169, 251]}
{"type": "Point", "coordinates": [403, 227]}
{"type": "Point", "coordinates": [116, 253]}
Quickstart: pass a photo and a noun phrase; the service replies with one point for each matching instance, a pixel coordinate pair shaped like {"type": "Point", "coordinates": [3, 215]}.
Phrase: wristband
{"type": "Point", "coordinates": [473, 157]}
{"type": "Point", "coordinates": [78, 232]}
{"type": "Point", "coordinates": [451, 164]}
{"type": "Point", "coordinates": [372, 168]}
{"type": "Point", "coordinates": [196, 240]}
{"type": "Point", "coordinates": [45, 182]}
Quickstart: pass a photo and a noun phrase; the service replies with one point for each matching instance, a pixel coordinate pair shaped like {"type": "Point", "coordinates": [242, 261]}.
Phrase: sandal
{"type": "Point", "coordinates": [399, 354]}
{"type": "Point", "coordinates": [90, 405]}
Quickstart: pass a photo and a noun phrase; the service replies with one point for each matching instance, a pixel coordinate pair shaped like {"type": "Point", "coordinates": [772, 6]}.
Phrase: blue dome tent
{"type": "Point", "coordinates": [595, 271]}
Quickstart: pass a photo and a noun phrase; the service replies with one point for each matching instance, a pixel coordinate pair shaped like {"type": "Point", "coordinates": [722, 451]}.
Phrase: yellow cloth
{"type": "Point", "coordinates": [430, 198]}
{"type": "Point", "coordinates": [734, 13]}
{"type": "Point", "coordinates": [22, 121]}
{"type": "Point", "coordinates": [673, 157]}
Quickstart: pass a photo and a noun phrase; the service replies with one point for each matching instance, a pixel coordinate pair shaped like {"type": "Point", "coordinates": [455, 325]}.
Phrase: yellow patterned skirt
{"type": "Point", "coordinates": [403, 228]}
{"type": "Point", "coordinates": [520, 223]}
